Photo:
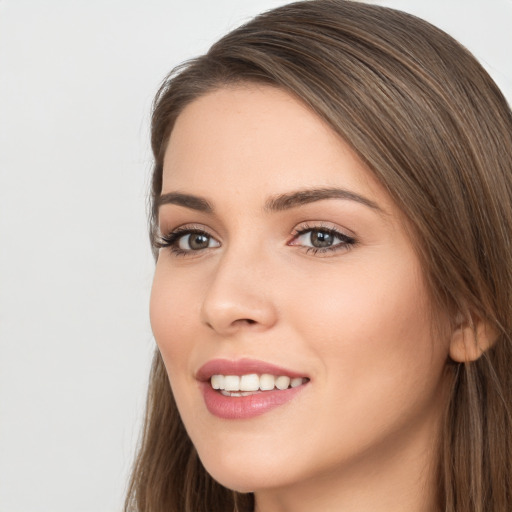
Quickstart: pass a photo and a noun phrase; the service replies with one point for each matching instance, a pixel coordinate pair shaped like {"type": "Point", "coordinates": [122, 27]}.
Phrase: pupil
{"type": "Point", "coordinates": [198, 241]}
{"type": "Point", "coordinates": [321, 239]}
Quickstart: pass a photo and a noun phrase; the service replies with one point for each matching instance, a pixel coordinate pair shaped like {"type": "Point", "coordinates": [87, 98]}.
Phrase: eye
{"type": "Point", "coordinates": [317, 238]}
{"type": "Point", "coordinates": [322, 239]}
{"type": "Point", "coordinates": [183, 241]}
{"type": "Point", "coordinates": [195, 242]}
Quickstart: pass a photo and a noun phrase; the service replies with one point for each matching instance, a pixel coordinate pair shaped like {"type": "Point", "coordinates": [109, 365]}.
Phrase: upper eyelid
{"type": "Point", "coordinates": [298, 229]}
{"type": "Point", "coordinates": [322, 225]}
{"type": "Point", "coordinates": [188, 227]}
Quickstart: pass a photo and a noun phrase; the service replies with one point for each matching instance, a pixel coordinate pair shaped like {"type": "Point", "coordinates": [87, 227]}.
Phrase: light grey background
{"type": "Point", "coordinates": [76, 84]}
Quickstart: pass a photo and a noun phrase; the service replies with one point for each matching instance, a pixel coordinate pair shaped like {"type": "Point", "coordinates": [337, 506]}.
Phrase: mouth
{"type": "Point", "coordinates": [246, 388]}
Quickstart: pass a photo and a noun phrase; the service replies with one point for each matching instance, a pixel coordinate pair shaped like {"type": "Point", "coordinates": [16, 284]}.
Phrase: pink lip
{"type": "Point", "coordinates": [244, 407]}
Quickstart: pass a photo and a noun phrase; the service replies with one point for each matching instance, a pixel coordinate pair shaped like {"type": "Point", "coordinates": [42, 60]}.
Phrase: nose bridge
{"type": "Point", "coordinates": [239, 293]}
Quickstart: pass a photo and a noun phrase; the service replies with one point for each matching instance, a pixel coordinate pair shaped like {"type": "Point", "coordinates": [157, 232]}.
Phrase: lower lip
{"type": "Point", "coordinates": [245, 407]}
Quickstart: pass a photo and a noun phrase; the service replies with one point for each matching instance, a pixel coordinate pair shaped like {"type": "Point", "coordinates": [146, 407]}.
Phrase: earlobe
{"type": "Point", "coordinates": [471, 338]}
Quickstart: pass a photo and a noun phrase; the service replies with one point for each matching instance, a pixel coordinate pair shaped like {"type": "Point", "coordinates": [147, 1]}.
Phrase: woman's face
{"type": "Point", "coordinates": [284, 257]}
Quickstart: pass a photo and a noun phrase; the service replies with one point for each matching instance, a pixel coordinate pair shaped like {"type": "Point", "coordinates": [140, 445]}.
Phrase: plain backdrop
{"type": "Point", "coordinates": [77, 79]}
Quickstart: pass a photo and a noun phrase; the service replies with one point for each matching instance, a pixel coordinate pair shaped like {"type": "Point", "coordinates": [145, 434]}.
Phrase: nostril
{"type": "Point", "coordinates": [248, 321]}
{"type": "Point", "coordinates": [240, 322]}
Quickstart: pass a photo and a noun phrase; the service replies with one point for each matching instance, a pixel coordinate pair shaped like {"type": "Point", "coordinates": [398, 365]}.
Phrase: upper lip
{"type": "Point", "coordinates": [242, 367]}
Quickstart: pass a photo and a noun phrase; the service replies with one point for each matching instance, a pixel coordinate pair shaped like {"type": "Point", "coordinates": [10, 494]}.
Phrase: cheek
{"type": "Point", "coordinates": [381, 369]}
{"type": "Point", "coordinates": [171, 305]}
{"type": "Point", "coordinates": [372, 328]}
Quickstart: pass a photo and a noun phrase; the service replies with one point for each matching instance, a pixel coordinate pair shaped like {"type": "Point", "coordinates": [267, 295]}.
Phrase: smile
{"type": "Point", "coordinates": [245, 388]}
{"type": "Point", "coordinates": [249, 384]}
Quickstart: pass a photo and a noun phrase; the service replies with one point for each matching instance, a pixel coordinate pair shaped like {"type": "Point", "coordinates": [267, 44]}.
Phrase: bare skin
{"type": "Point", "coordinates": [329, 287]}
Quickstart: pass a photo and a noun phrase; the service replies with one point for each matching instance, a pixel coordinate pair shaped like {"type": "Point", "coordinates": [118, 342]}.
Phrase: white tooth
{"type": "Point", "coordinates": [267, 382]}
{"type": "Point", "coordinates": [249, 382]}
{"type": "Point", "coordinates": [282, 382]}
{"type": "Point", "coordinates": [296, 382]}
{"type": "Point", "coordinates": [232, 383]}
{"type": "Point", "coordinates": [217, 381]}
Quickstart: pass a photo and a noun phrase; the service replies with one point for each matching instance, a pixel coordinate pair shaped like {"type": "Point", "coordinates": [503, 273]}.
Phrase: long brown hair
{"type": "Point", "coordinates": [437, 132]}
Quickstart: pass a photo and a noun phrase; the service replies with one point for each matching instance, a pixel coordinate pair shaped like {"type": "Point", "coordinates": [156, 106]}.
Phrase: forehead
{"type": "Point", "coordinates": [258, 138]}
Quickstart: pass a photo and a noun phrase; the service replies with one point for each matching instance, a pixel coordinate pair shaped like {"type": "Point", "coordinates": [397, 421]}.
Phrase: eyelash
{"type": "Point", "coordinates": [347, 242]}
{"type": "Point", "coordinates": [172, 239]}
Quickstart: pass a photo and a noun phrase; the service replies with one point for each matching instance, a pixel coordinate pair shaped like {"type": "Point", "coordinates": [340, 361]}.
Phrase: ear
{"type": "Point", "coordinates": [471, 337]}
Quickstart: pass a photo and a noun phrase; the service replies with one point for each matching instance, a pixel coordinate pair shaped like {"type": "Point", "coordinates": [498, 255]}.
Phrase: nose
{"type": "Point", "coordinates": [239, 295]}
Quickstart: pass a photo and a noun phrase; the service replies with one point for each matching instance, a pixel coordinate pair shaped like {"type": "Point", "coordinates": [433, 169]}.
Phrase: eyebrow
{"type": "Point", "coordinates": [186, 200]}
{"type": "Point", "coordinates": [301, 197]}
{"type": "Point", "coordinates": [274, 204]}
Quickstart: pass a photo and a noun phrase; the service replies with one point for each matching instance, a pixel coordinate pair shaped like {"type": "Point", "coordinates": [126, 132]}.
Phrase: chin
{"type": "Point", "coordinates": [247, 474]}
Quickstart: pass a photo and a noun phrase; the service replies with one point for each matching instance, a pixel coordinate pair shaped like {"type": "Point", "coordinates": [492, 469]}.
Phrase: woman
{"type": "Point", "coordinates": [331, 218]}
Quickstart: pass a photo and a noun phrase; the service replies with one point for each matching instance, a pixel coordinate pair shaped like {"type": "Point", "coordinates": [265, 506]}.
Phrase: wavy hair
{"type": "Point", "coordinates": [436, 131]}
